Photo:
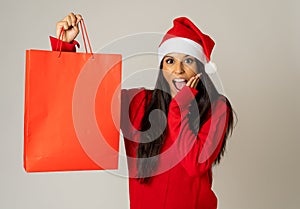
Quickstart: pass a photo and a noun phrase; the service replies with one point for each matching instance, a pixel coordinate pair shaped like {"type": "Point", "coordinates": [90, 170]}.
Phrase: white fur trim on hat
{"type": "Point", "coordinates": [181, 45]}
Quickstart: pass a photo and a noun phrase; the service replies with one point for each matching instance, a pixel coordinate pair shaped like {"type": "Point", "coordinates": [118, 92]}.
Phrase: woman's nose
{"type": "Point", "coordinates": [179, 68]}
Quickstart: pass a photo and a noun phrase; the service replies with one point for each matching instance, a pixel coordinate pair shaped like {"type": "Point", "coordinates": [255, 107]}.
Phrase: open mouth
{"type": "Point", "coordinates": [179, 83]}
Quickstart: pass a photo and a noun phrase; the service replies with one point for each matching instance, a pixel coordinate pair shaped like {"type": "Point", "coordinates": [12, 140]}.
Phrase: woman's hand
{"type": "Point", "coordinates": [70, 25]}
{"type": "Point", "coordinates": [193, 82]}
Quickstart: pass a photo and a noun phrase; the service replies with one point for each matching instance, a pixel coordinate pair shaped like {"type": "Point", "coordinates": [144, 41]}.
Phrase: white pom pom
{"type": "Point", "coordinates": [210, 68]}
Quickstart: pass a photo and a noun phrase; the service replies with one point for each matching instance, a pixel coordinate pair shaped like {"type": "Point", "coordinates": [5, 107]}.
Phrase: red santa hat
{"type": "Point", "coordinates": [185, 37]}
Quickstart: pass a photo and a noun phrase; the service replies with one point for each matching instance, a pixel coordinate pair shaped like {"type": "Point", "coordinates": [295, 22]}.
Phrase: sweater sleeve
{"type": "Point", "coordinates": [196, 152]}
{"type": "Point", "coordinates": [66, 47]}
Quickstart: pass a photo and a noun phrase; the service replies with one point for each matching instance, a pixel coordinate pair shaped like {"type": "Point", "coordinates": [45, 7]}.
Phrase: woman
{"type": "Point", "coordinates": [170, 155]}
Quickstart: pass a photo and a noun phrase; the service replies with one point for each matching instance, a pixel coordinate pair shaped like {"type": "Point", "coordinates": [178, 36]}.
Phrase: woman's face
{"type": "Point", "coordinates": [177, 69]}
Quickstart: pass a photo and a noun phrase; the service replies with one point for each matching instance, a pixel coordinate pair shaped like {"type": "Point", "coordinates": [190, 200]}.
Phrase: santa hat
{"type": "Point", "coordinates": [185, 37]}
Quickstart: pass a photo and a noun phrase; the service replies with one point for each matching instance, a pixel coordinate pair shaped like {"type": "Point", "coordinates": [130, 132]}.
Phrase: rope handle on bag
{"type": "Point", "coordinates": [85, 38]}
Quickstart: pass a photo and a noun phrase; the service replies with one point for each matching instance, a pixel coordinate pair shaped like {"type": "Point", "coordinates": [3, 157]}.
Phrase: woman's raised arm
{"type": "Point", "coordinates": [71, 30]}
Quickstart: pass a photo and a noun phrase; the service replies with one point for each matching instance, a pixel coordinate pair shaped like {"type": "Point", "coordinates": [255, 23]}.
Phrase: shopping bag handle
{"type": "Point", "coordinates": [85, 38]}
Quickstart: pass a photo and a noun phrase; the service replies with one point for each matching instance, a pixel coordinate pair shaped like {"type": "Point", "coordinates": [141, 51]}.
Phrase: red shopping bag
{"type": "Point", "coordinates": [72, 111]}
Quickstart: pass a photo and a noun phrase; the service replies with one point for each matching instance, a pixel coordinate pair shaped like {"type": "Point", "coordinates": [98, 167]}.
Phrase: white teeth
{"type": "Point", "coordinates": [179, 80]}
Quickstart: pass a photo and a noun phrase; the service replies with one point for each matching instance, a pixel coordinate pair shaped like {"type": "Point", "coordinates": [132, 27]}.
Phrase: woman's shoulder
{"type": "Point", "coordinates": [221, 104]}
{"type": "Point", "coordinates": [136, 95]}
{"type": "Point", "coordinates": [137, 91]}
{"type": "Point", "coordinates": [133, 105]}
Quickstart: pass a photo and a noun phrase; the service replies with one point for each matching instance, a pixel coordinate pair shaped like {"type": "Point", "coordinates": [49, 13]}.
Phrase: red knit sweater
{"type": "Point", "coordinates": [184, 177]}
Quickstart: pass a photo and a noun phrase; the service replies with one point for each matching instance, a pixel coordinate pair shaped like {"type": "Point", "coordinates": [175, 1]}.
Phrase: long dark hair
{"type": "Point", "coordinates": [161, 99]}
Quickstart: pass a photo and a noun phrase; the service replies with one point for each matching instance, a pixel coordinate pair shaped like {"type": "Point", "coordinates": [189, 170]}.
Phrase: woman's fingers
{"type": "Point", "coordinates": [190, 81]}
{"type": "Point", "coordinates": [196, 81]}
{"type": "Point", "coordinates": [72, 19]}
{"type": "Point", "coordinates": [78, 18]}
{"type": "Point", "coordinates": [69, 21]}
{"type": "Point", "coordinates": [193, 82]}
{"type": "Point", "coordinates": [62, 24]}
{"type": "Point", "coordinates": [70, 25]}
{"type": "Point", "coordinates": [59, 26]}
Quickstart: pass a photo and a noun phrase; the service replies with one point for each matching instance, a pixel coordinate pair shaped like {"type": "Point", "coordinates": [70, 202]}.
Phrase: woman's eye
{"type": "Point", "coordinates": [189, 61]}
{"type": "Point", "coordinates": [169, 61]}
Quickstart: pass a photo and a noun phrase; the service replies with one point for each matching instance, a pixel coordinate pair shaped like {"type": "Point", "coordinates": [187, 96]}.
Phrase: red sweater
{"type": "Point", "coordinates": [185, 177]}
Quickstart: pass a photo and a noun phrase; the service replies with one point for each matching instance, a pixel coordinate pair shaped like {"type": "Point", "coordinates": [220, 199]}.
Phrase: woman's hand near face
{"type": "Point", "coordinates": [193, 82]}
{"type": "Point", "coordinates": [70, 25]}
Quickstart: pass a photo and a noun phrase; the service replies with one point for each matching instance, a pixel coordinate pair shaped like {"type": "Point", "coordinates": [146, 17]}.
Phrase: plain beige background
{"type": "Point", "coordinates": [257, 53]}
